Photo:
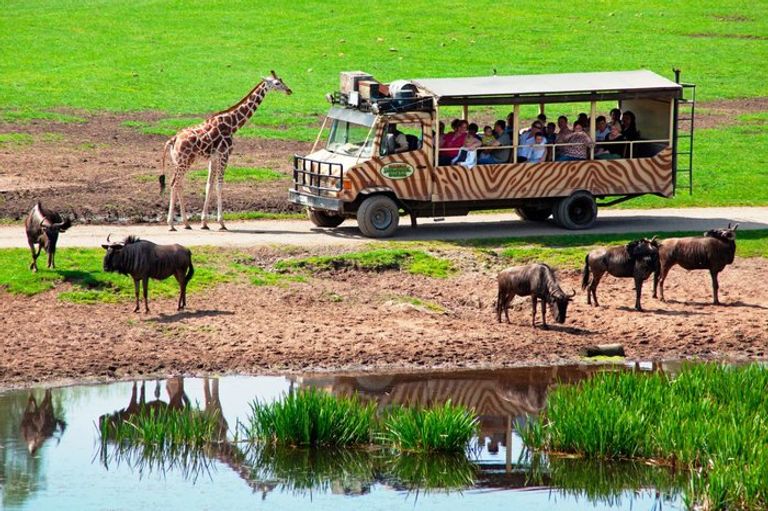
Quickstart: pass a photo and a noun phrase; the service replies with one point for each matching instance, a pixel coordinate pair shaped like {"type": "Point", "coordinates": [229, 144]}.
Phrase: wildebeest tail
{"type": "Point", "coordinates": [161, 177]}
{"type": "Point", "coordinates": [585, 274]}
{"type": "Point", "coordinates": [190, 272]}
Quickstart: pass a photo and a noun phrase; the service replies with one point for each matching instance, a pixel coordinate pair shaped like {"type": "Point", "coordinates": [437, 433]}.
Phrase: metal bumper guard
{"type": "Point", "coordinates": [314, 201]}
{"type": "Point", "coordinates": [314, 181]}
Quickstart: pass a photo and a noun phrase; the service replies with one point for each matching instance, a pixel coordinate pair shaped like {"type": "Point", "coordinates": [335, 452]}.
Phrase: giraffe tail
{"type": "Point", "coordinates": [161, 178]}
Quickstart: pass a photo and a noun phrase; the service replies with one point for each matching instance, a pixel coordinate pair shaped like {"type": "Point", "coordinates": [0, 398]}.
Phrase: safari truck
{"type": "Point", "coordinates": [382, 152]}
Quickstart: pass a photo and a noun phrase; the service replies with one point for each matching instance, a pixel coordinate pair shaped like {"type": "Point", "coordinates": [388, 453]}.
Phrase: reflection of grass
{"type": "Point", "coordinates": [190, 462]}
{"type": "Point", "coordinates": [416, 262]}
{"type": "Point", "coordinates": [311, 417]}
{"type": "Point", "coordinates": [709, 419]}
{"type": "Point", "coordinates": [354, 471]}
{"type": "Point", "coordinates": [604, 482]}
{"type": "Point", "coordinates": [442, 428]}
{"type": "Point", "coordinates": [242, 174]}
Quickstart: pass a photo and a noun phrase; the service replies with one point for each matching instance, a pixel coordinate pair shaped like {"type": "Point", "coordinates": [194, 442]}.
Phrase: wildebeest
{"type": "Point", "coordinates": [537, 280]}
{"type": "Point", "coordinates": [43, 227]}
{"type": "Point", "coordinates": [142, 260]}
{"type": "Point", "coordinates": [713, 251]}
{"type": "Point", "coordinates": [637, 259]}
{"type": "Point", "coordinates": [39, 422]}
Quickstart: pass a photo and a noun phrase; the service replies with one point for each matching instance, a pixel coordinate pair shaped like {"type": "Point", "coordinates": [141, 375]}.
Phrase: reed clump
{"type": "Point", "coordinates": [443, 428]}
{"type": "Point", "coordinates": [710, 419]}
{"type": "Point", "coordinates": [163, 428]}
{"type": "Point", "coordinates": [312, 417]}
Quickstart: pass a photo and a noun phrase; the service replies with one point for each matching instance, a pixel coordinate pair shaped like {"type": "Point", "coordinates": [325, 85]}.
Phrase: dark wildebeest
{"type": "Point", "coordinates": [43, 227]}
{"type": "Point", "coordinates": [143, 260]}
{"type": "Point", "coordinates": [713, 251]}
{"type": "Point", "coordinates": [537, 280]}
{"type": "Point", "coordinates": [39, 422]}
{"type": "Point", "coordinates": [637, 259]}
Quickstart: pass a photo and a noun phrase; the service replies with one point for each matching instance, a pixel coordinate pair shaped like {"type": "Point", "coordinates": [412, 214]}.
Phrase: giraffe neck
{"type": "Point", "coordinates": [239, 114]}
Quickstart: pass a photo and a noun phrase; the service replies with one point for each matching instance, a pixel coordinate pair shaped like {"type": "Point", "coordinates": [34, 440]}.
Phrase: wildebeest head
{"type": "Point", "coordinates": [112, 249]}
{"type": "Point", "coordinates": [560, 306]}
{"type": "Point", "coordinates": [644, 247]}
{"type": "Point", "coordinates": [727, 234]}
{"type": "Point", "coordinates": [52, 231]}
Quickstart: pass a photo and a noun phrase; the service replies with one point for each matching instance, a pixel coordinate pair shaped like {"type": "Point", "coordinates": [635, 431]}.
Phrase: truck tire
{"type": "Point", "coordinates": [323, 218]}
{"type": "Point", "coordinates": [533, 214]}
{"type": "Point", "coordinates": [378, 217]}
{"type": "Point", "coordinates": [577, 211]}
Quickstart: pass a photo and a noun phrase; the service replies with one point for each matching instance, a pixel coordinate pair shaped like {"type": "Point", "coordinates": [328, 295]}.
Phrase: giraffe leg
{"type": "Point", "coordinates": [208, 187]}
{"type": "Point", "coordinates": [219, 185]}
{"type": "Point", "coordinates": [170, 209]}
{"type": "Point", "coordinates": [182, 208]}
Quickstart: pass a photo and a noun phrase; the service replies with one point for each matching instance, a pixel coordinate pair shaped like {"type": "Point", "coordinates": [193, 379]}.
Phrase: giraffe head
{"type": "Point", "coordinates": [276, 83]}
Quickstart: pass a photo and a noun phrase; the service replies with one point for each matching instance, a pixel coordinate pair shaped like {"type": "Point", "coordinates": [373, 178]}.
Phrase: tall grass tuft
{"type": "Point", "coordinates": [711, 419]}
{"type": "Point", "coordinates": [311, 417]}
{"type": "Point", "coordinates": [443, 428]}
{"type": "Point", "coordinates": [163, 428]}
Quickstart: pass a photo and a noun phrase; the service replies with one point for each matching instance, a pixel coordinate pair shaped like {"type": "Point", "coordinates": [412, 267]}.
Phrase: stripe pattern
{"type": "Point", "coordinates": [508, 181]}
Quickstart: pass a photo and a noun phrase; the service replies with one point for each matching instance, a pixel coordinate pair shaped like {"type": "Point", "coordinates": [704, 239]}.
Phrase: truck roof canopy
{"type": "Point", "coordinates": [549, 88]}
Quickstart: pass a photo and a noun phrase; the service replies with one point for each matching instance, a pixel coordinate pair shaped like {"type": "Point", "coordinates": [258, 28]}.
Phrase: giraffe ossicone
{"type": "Point", "coordinates": [211, 140]}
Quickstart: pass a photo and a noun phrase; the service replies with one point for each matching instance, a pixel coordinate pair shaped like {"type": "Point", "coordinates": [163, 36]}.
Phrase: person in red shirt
{"type": "Point", "coordinates": [452, 142]}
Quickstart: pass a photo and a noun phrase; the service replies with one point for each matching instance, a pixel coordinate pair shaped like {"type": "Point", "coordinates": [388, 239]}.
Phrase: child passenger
{"type": "Point", "coordinates": [538, 152]}
{"type": "Point", "coordinates": [488, 137]}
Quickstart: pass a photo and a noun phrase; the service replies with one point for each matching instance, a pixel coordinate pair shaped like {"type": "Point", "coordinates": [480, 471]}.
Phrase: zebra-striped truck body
{"type": "Point", "coordinates": [356, 166]}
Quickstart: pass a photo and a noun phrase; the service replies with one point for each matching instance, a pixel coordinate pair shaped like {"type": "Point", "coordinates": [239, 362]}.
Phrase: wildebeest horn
{"type": "Point", "coordinates": [573, 293]}
{"type": "Point", "coordinates": [735, 227]}
{"type": "Point", "coordinates": [108, 235]}
{"type": "Point", "coordinates": [654, 238]}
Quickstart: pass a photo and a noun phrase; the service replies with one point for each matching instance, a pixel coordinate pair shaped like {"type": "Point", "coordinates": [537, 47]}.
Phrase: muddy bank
{"type": "Point", "coordinates": [353, 320]}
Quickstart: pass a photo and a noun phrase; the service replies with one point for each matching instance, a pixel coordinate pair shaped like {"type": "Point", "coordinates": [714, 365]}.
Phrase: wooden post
{"type": "Point", "coordinates": [508, 442]}
{"type": "Point", "coordinates": [592, 123]}
{"type": "Point", "coordinates": [671, 121]}
{"type": "Point", "coordinates": [465, 112]}
{"type": "Point", "coordinates": [515, 131]}
{"type": "Point", "coordinates": [436, 141]}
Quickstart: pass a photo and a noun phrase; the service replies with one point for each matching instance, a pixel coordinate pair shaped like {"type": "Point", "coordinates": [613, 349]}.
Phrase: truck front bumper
{"type": "Point", "coordinates": [314, 201]}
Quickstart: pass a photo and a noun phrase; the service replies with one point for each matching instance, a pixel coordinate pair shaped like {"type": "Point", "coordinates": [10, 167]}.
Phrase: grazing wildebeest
{"type": "Point", "coordinates": [143, 260]}
{"type": "Point", "coordinates": [43, 227]}
{"type": "Point", "coordinates": [713, 251]}
{"type": "Point", "coordinates": [537, 280]}
{"type": "Point", "coordinates": [637, 259]}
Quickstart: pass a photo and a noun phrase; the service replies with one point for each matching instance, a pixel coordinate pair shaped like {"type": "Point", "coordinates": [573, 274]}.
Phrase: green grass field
{"type": "Point", "coordinates": [191, 59]}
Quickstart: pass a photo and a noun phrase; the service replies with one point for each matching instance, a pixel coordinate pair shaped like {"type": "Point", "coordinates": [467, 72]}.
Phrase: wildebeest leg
{"type": "Point", "coordinates": [182, 289]}
{"type": "Point", "coordinates": [662, 278]}
{"type": "Point", "coordinates": [500, 298]}
{"type": "Point", "coordinates": [51, 259]}
{"type": "Point", "coordinates": [534, 303]}
{"type": "Point", "coordinates": [208, 186]}
{"type": "Point", "coordinates": [136, 293]}
{"type": "Point", "coordinates": [224, 158]}
{"type": "Point", "coordinates": [544, 314]}
{"type": "Point", "coordinates": [715, 287]}
{"type": "Point", "coordinates": [146, 303]}
{"type": "Point", "coordinates": [596, 276]}
{"type": "Point", "coordinates": [638, 291]}
{"type": "Point", "coordinates": [507, 303]}
{"type": "Point", "coordinates": [33, 266]}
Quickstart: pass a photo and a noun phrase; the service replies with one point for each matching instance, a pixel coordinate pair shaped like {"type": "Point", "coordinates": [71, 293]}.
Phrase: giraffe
{"type": "Point", "coordinates": [211, 140]}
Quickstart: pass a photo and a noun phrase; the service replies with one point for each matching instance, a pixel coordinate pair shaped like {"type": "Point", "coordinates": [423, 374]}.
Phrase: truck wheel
{"type": "Point", "coordinates": [324, 218]}
{"type": "Point", "coordinates": [577, 211]}
{"type": "Point", "coordinates": [533, 214]}
{"type": "Point", "coordinates": [378, 217]}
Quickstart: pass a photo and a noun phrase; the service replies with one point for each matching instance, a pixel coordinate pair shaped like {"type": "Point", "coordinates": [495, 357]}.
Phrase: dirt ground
{"type": "Point", "coordinates": [357, 321]}
{"type": "Point", "coordinates": [106, 172]}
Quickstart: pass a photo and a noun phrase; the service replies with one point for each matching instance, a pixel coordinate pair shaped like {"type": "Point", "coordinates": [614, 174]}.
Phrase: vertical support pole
{"type": "Point", "coordinates": [515, 132]}
{"type": "Point", "coordinates": [465, 112]}
{"type": "Point", "coordinates": [508, 444]}
{"type": "Point", "coordinates": [592, 126]}
{"type": "Point", "coordinates": [436, 131]}
{"type": "Point", "coordinates": [541, 109]}
{"type": "Point", "coordinates": [671, 120]}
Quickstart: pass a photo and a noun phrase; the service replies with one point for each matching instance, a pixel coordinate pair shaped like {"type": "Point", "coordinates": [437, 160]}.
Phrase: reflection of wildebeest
{"type": "Point", "coordinates": [637, 259]}
{"type": "Point", "coordinates": [43, 227]}
{"type": "Point", "coordinates": [537, 280]}
{"type": "Point", "coordinates": [143, 260]}
{"type": "Point", "coordinates": [713, 251]}
{"type": "Point", "coordinates": [39, 422]}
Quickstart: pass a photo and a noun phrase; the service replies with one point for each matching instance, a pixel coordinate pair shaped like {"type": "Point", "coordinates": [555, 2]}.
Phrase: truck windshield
{"type": "Point", "coordinates": [350, 139]}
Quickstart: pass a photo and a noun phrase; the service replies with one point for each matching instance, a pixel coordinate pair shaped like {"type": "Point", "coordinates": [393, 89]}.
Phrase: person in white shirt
{"type": "Point", "coordinates": [538, 151]}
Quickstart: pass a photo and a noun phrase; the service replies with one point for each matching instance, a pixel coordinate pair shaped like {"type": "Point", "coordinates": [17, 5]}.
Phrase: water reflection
{"type": "Point", "coordinates": [35, 468]}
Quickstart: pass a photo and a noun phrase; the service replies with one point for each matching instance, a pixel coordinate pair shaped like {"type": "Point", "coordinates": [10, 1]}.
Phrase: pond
{"type": "Point", "coordinates": [51, 456]}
